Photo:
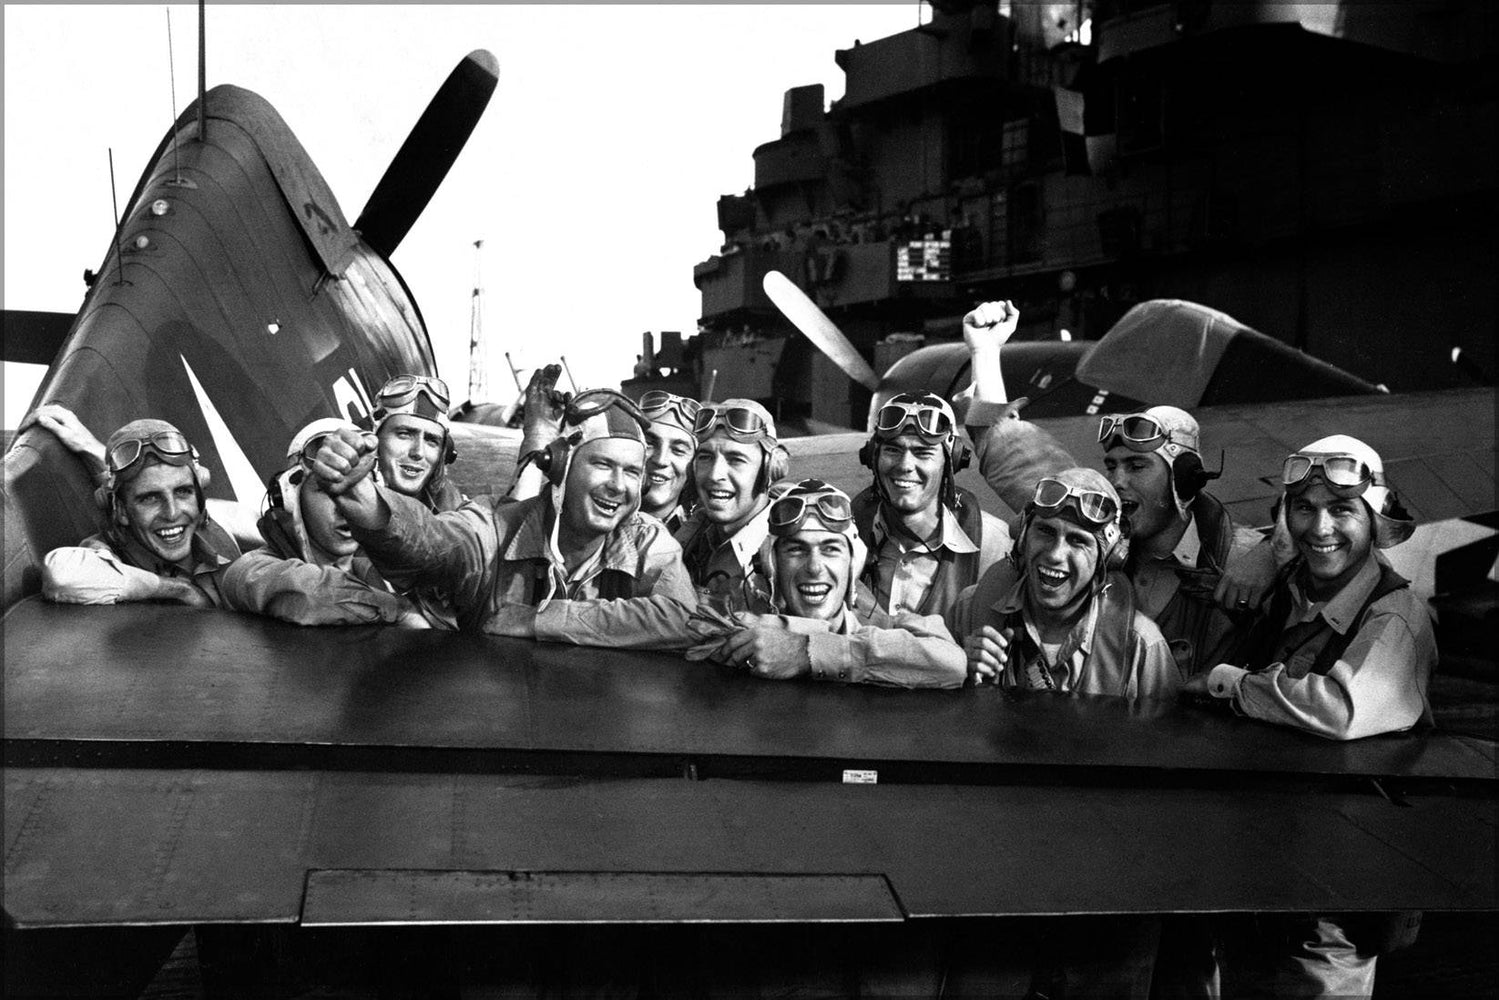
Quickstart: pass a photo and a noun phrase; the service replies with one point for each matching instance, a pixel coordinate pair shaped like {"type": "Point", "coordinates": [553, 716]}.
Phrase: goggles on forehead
{"type": "Point", "coordinates": [1136, 431]}
{"type": "Point", "coordinates": [403, 390]}
{"type": "Point", "coordinates": [592, 402]}
{"type": "Point", "coordinates": [1098, 509]}
{"type": "Point", "coordinates": [170, 446]}
{"type": "Point", "coordinates": [830, 506]}
{"type": "Point", "coordinates": [930, 420]}
{"type": "Point", "coordinates": [737, 420]}
{"type": "Point", "coordinates": [1345, 475]}
{"type": "Point", "coordinates": [659, 401]}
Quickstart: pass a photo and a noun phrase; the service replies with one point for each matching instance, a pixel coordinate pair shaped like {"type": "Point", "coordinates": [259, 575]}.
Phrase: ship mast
{"type": "Point", "coordinates": [478, 358]}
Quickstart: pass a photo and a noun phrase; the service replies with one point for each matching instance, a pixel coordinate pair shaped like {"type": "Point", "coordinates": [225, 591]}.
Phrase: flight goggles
{"type": "Point", "coordinates": [1098, 509]}
{"type": "Point", "coordinates": [1137, 431]}
{"type": "Point", "coordinates": [403, 390]}
{"type": "Point", "coordinates": [1345, 475]}
{"type": "Point", "coordinates": [592, 402]}
{"type": "Point", "coordinates": [170, 446]}
{"type": "Point", "coordinates": [930, 419]}
{"type": "Point", "coordinates": [659, 401]}
{"type": "Point", "coordinates": [737, 420]}
{"type": "Point", "coordinates": [828, 504]}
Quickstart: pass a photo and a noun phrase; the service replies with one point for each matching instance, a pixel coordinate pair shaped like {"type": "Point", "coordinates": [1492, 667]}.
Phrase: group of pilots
{"type": "Point", "coordinates": [670, 524]}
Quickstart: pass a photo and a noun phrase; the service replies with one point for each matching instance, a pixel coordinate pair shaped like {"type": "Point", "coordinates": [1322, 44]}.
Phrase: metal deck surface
{"type": "Point", "coordinates": [176, 847]}
{"type": "Point", "coordinates": [149, 685]}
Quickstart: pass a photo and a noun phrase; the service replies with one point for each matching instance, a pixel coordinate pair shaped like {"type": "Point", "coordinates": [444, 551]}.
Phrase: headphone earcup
{"type": "Point", "coordinates": [777, 466]}
{"type": "Point", "coordinates": [104, 497]}
{"type": "Point", "coordinates": [553, 460]}
{"type": "Point", "coordinates": [451, 454]}
{"type": "Point", "coordinates": [204, 476]}
{"type": "Point", "coordinates": [962, 455]}
{"type": "Point", "coordinates": [867, 452]}
{"type": "Point", "coordinates": [1187, 477]}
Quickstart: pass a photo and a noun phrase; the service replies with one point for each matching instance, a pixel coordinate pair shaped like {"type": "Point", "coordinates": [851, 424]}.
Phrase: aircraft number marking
{"type": "Point", "coordinates": [353, 402]}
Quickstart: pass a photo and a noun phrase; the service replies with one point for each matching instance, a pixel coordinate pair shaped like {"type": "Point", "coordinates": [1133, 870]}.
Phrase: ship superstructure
{"type": "Point", "coordinates": [1323, 172]}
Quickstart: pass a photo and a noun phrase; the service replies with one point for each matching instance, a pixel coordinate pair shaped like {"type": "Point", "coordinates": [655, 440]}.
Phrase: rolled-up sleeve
{"type": "Point", "coordinates": [917, 651]}
{"type": "Point", "coordinates": [304, 594]}
{"type": "Point", "coordinates": [87, 574]}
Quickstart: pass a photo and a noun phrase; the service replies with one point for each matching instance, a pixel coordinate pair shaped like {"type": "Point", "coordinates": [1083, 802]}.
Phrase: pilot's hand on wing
{"type": "Point", "coordinates": [1247, 579]}
{"type": "Point", "coordinates": [768, 651]}
{"type": "Point", "coordinates": [992, 324]}
{"type": "Point", "coordinates": [988, 651]}
{"type": "Point", "coordinates": [64, 423]}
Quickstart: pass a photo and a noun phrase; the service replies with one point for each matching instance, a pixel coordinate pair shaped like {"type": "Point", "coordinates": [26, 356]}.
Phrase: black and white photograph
{"type": "Point", "coordinates": [945, 499]}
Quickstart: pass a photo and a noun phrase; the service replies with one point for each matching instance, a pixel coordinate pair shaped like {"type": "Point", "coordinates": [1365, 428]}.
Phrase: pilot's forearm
{"type": "Point", "coordinates": [363, 505]}
{"type": "Point", "coordinates": [917, 653]}
{"type": "Point", "coordinates": [303, 593]}
{"type": "Point", "coordinates": [453, 552]}
{"type": "Point", "coordinates": [988, 376]}
{"type": "Point", "coordinates": [656, 622]}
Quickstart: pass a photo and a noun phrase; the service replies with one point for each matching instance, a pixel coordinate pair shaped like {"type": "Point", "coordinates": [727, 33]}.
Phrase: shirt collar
{"type": "Point", "coordinates": [1190, 545]}
{"type": "Point", "coordinates": [751, 535]}
{"type": "Point", "coordinates": [1341, 610]}
{"type": "Point", "coordinates": [951, 535]}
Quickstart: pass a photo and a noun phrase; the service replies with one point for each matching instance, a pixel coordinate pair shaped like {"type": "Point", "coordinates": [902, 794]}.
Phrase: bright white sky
{"type": "Point", "coordinates": [592, 178]}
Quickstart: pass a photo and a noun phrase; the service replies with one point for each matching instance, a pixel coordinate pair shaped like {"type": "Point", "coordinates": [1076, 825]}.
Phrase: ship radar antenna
{"type": "Point", "coordinates": [478, 358]}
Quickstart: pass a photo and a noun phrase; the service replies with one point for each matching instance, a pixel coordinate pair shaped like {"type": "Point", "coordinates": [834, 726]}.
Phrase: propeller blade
{"type": "Point", "coordinates": [35, 337]}
{"type": "Point", "coordinates": [812, 321]}
{"type": "Point", "coordinates": [428, 152]}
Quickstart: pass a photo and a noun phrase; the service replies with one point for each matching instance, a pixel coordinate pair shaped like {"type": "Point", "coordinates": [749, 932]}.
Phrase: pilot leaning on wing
{"type": "Point", "coordinates": [160, 544]}
{"type": "Point", "coordinates": [1184, 546]}
{"type": "Point", "coordinates": [927, 537]}
{"type": "Point", "coordinates": [812, 558]}
{"type": "Point", "coordinates": [501, 561]}
{"type": "Point", "coordinates": [311, 571]}
{"type": "Point", "coordinates": [1056, 615]}
{"type": "Point", "coordinates": [1344, 650]}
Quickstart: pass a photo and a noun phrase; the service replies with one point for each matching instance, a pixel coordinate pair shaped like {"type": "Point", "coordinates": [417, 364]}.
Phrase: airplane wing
{"type": "Point", "coordinates": [168, 766]}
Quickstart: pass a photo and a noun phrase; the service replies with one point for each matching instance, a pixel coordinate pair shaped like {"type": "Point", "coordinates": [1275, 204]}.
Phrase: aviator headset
{"type": "Point", "coordinates": [132, 445]}
{"type": "Point", "coordinates": [931, 418]}
{"type": "Point", "coordinates": [595, 413]}
{"type": "Point", "coordinates": [1084, 497]}
{"type": "Point", "coordinates": [424, 396]}
{"type": "Point", "coordinates": [746, 420]}
{"type": "Point", "coordinates": [1171, 433]}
